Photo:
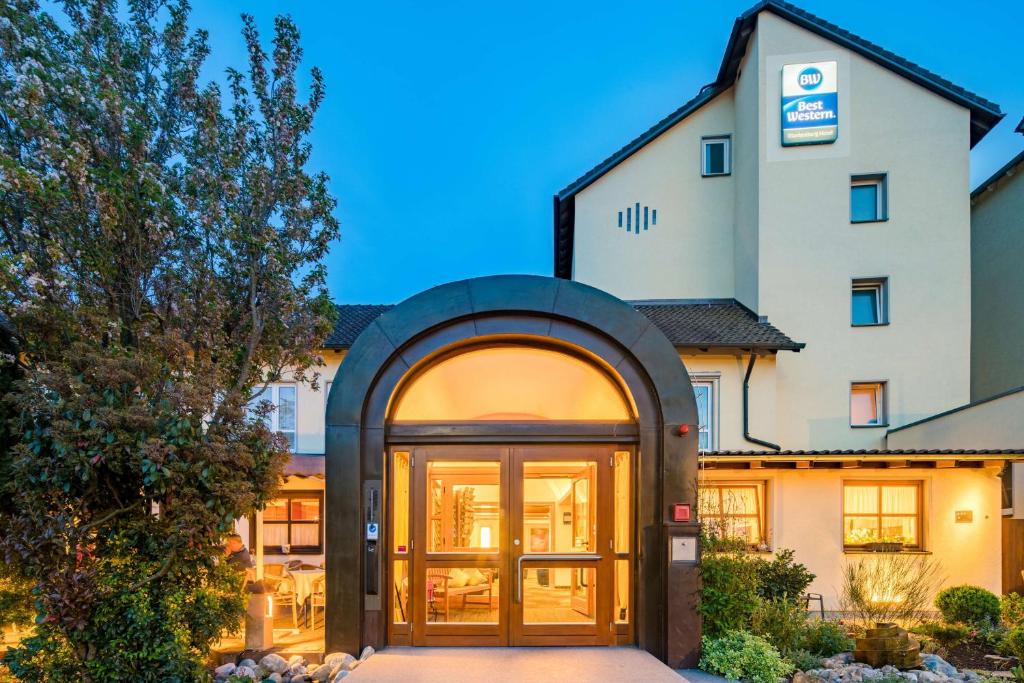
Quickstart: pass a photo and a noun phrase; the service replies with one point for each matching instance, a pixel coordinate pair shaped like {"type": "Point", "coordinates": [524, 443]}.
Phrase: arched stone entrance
{"type": "Point", "coordinates": [519, 311]}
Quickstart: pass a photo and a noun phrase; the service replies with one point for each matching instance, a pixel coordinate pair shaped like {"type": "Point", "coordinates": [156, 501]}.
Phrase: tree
{"type": "Point", "coordinates": [162, 254]}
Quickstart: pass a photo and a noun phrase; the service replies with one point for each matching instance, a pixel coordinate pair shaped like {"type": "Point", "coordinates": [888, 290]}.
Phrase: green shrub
{"type": "Point", "coordinates": [946, 635]}
{"type": "Point", "coordinates": [826, 638]}
{"type": "Point", "coordinates": [780, 622]}
{"type": "Point", "coordinates": [1013, 642]}
{"type": "Point", "coordinates": [742, 656]}
{"type": "Point", "coordinates": [1011, 609]}
{"type": "Point", "coordinates": [730, 579]}
{"type": "Point", "coordinates": [782, 577]}
{"type": "Point", "coordinates": [802, 660]}
{"type": "Point", "coordinates": [970, 605]}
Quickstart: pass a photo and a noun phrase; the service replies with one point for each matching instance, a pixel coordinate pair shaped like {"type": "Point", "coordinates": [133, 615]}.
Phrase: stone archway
{"type": "Point", "coordinates": [562, 312]}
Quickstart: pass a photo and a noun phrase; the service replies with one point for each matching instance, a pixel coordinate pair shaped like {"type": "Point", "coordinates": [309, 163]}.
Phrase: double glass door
{"type": "Point", "coordinates": [514, 545]}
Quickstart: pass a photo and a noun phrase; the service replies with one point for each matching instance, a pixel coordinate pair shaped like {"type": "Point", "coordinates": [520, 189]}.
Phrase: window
{"type": "Point", "coordinates": [882, 512]}
{"type": "Point", "coordinates": [282, 419]}
{"type": "Point", "coordinates": [715, 156]}
{"type": "Point", "coordinates": [867, 404]}
{"type": "Point", "coordinates": [292, 524]}
{"type": "Point", "coordinates": [868, 200]}
{"type": "Point", "coordinates": [870, 302]}
{"type": "Point", "coordinates": [734, 510]}
{"type": "Point", "coordinates": [704, 390]}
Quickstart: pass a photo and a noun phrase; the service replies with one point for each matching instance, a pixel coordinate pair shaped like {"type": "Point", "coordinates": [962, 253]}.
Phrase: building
{"type": "Point", "coordinates": [997, 283]}
{"type": "Point", "coordinates": [750, 300]}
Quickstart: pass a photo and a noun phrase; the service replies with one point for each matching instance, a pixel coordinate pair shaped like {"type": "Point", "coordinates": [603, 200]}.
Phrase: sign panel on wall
{"type": "Point", "coordinates": [810, 104]}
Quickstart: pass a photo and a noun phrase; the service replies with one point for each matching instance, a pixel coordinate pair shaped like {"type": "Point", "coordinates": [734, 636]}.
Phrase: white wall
{"type": "Point", "coordinates": [728, 408]}
{"type": "Point", "coordinates": [809, 250]}
{"type": "Point", "coordinates": [689, 252]}
{"type": "Point", "coordinates": [805, 514]}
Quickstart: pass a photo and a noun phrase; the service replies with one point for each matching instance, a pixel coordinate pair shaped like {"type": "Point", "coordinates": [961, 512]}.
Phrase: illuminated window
{"type": "Point", "coordinates": [282, 418]}
{"type": "Point", "coordinates": [292, 524]}
{"type": "Point", "coordinates": [877, 512]}
{"type": "Point", "coordinates": [513, 383]}
{"type": "Point", "coordinates": [734, 510]}
{"type": "Point", "coordinates": [867, 404]}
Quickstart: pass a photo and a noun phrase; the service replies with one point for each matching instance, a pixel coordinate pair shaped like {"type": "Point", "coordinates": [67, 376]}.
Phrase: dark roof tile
{"type": "Point", "coordinates": [702, 324]}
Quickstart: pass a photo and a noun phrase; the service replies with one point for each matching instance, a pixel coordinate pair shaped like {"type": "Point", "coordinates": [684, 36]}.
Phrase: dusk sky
{"type": "Point", "coordinates": [449, 126]}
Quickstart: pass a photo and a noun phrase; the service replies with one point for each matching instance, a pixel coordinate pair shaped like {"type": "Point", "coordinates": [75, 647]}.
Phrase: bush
{"type": "Point", "coordinates": [739, 655]}
{"type": "Point", "coordinates": [946, 635]}
{"type": "Point", "coordinates": [802, 660]}
{"type": "Point", "coordinates": [780, 622]}
{"type": "Point", "coordinates": [1013, 642]}
{"type": "Point", "coordinates": [1011, 609]}
{"type": "Point", "coordinates": [730, 579]}
{"type": "Point", "coordinates": [825, 638]}
{"type": "Point", "coordinates": [909, 579]}
{"type": "Point", "coordinates": [970, 605]}
{"type": "Point", "coordinates": [781, 577]}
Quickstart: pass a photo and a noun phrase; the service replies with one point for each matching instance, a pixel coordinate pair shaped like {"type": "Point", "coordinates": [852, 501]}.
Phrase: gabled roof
{"type": "Point", "coordinates": [984, 113]}
{"type": "Point", "coordinates": [701, 324]}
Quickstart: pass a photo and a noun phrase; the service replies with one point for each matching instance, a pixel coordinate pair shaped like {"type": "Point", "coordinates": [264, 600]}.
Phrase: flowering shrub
{"type": "Point", "coordinates": [739, 655]}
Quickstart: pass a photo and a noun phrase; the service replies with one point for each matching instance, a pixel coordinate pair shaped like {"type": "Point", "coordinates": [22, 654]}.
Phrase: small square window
{"type": "Point", "coordinates": [715, 156]}
{"type": "Point", "coordinates": [868, 199]}
{"type": "Point", "coordinates": [867, 404]}
{"type": "Point", "coordinates": [869, 302]}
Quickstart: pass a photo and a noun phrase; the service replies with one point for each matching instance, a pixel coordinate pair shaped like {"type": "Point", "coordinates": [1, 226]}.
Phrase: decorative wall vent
{"type": "Point", "coordinates": [634, 220]}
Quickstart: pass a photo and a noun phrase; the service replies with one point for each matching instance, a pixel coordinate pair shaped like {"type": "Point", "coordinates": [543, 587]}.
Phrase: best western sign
{"type": "Point", "coordinates": [810, 104]}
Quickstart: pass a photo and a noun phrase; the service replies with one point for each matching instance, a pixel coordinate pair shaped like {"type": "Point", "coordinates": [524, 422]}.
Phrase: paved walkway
{"type": "Point", "coordinates": [513, 665]}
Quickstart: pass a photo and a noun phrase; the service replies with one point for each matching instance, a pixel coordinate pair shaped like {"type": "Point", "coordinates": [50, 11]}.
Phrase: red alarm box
{"type": "Point", "coordinates": [681, 512]}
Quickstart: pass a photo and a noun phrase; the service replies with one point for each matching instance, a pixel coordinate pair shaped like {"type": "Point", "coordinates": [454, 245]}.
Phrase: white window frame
{"type": "Point", "coordinates": [273, 419]}
{"type": "Point", "coordinates": [879, 285]}
{"type": "Point", "coordinates": [712, 382]}
{"type": "Point", "coordinates": [725, 140]}
{"type": "Point", "coordinates": [881, 399]}
{"type": "Point", "coordinates": [881, 183]}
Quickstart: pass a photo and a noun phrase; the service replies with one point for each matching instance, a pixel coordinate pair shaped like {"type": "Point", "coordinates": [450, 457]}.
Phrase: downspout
{"type": "Point", "coordinates": [746, 409]}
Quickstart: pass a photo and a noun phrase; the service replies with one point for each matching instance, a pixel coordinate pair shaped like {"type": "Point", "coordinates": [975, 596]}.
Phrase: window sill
{"type": "Point", "coordinates": [885, 324]}
{"type": "Point", "coordinates": [716, 175]}
{"type": "Point", "coordinates": [869, 220]}
{"type": "Point", "coordinates": [905, 551]}
{"type": "Point", "coordinates": [877, 426]}
{"type": "Point", "coordinates": [277, 551]}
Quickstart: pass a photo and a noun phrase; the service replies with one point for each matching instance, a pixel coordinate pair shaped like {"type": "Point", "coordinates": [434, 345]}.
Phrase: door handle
{"type": "Point", "coordinates": [545, 556]}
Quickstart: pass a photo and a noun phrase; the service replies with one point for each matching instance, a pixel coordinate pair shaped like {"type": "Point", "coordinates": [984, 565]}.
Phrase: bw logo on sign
{"type": "Point", "coordinates": [810, 104]}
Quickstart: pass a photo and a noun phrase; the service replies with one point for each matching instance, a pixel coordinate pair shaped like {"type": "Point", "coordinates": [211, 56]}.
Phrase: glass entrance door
{"type": "Point", "coordinates": [511, 545]}
{"type": "Point", "coordinates": [561, 526]}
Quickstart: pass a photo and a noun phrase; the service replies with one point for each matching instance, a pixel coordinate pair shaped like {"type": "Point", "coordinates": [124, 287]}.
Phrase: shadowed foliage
{"type": "Point", "coordinates": [161, 258]}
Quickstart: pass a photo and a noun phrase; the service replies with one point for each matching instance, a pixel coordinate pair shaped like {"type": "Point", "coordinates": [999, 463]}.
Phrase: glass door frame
{"type": "Point", "coordinates": [428, 633]}
{"type": "Point", "coordinates": [510, 629]}
{"type": "Point", "coordinates": [600, 558]}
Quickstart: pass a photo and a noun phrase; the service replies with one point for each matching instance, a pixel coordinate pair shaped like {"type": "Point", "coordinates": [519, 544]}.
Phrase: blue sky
{"type": "Point", "coordinates": [449, 126]}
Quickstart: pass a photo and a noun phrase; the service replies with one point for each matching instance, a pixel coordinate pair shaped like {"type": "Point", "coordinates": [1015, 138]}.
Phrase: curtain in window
{"type": "Point", "coordinates": [863, 406]}
{"type": "Point", "coordinates": [305, 534]}
{"type": "Point", "coordinates": [860, 500]}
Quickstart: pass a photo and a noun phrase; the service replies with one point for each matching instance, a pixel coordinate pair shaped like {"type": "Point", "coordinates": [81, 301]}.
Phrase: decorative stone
{"type": "Point", "coordinates": [322, 672]}
{"type": "Point", "coordinates": [338, 674]}
{"type": "Point", "coordinates": [251, 663]}
{"type": "Point", "coordinates": [296, 659]}
{"type": "Point", "coordinates": [366, 653]}
{"type": "Point", "coordinates": [297, 669]}
{"type": "Point", "coordinates": [225, 670]}
{"type": "Point", "coordinates": [274, 678]}
{"type": "Point", "coordinates": [274, 663]}
{"type": "Point", "coordinates": [336, 658]}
